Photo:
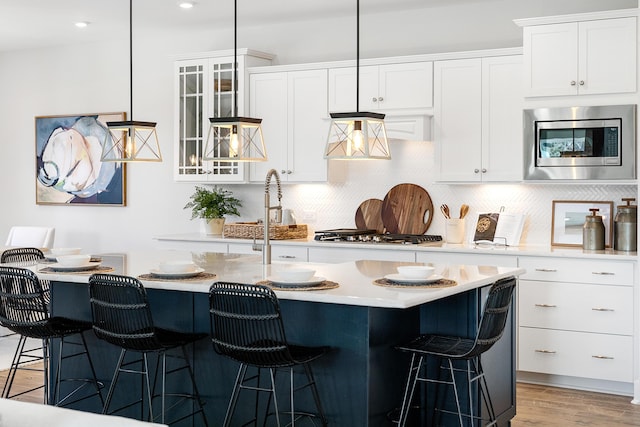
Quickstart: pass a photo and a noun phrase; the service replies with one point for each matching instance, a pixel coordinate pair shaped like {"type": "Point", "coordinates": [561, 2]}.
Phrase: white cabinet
{"type": "Point", "coordinates": [580, 58]}
{"type": "Point", "coordinates": [386, 88]}
{"type": "Point", "coordinates": [204, 88]}
{"type": "Point", "coordinates": [295, 125]}
{"type": "Point", "coordinates": [478, 119]}
{"type": "Point", "coordinates": [576, 318]}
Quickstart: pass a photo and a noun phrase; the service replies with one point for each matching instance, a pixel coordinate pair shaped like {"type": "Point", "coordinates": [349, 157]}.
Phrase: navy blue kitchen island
{"type": "Point", "coordinates": [361, 380]}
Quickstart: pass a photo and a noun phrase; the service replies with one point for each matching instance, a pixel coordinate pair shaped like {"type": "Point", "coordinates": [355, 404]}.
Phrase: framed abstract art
{"type": "Point", "coordinates": [68, 166]}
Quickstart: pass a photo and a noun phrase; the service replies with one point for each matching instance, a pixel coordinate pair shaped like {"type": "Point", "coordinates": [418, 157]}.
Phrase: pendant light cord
{"type": "Point", "coordinates": [131, 58]}
{"type": "Point", "coordinates": [357, 56]}
{"type": "Point", "coordinates": [235, 58]}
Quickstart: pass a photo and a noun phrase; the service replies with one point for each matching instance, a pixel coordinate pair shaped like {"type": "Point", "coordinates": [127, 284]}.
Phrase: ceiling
{"type": "Point", "coordinates": [27, 24]}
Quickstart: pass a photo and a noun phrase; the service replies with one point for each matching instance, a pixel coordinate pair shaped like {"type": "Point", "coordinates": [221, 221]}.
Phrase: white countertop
{"type": "Point", "coordinates": [522, 250]}
{"type": "Point", "coordinates": [355, 278]}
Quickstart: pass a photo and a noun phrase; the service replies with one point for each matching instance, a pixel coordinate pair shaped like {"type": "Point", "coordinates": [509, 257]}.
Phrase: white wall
{"type": "Point", "coordinates": [94, 78]}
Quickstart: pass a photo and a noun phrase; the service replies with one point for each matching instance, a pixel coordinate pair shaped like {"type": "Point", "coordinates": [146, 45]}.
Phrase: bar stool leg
{"type": "Point", "coordinates": [242, 371]}
{"type": "Point", "coordinates": [314, 390]}
{"type": "Point", "coordinates": [414, 370]}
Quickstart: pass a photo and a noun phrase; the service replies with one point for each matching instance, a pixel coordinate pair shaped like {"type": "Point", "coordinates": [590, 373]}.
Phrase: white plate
{"type": "Point", "coordinates": [397, 278]}
{"type": "Point", "coordinates": [315, 280]}
{"type": "Point", "coordinates": [89, 266]}
{"type": "Point", "coordinates": [178, 275]}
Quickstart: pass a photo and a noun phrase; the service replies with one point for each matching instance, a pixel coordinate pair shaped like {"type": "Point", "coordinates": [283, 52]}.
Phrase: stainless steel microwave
{"type": "Point", "coordinates": [580, 143]}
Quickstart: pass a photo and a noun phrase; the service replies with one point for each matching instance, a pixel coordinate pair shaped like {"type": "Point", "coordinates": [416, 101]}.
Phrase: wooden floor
{"type": "Point", "coordinates": [537, 405]}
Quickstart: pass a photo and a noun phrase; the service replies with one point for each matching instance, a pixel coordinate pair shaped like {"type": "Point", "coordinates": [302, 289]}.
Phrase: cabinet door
{"type": "Point", "coordinates": [268, 101]}
{"type": "Point", "coordinates": [502, 103]}
{"type": "Point", "coordinates": [405, 86]}
{"type": "Point", "coordinates": [342, 89]}
{"type": "Point", "coordinates": [551, 59]}
{"type": "Point", "coordinates": [457, 119]}
{"type": "Point", "coordinates": [308, 126]}
{"type": "Point", "coordinates": [607, 56]}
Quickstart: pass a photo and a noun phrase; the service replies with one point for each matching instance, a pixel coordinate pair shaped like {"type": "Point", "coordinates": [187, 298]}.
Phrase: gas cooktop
{"type": "Point", "coordinates": [372, 236]}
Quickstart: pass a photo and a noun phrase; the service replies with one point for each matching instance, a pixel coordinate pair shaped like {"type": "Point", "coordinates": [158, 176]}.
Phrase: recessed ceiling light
{"type": "Point", "coordinates": [186, 4]}
{"type": "Point", "coordinates": [82, 24]}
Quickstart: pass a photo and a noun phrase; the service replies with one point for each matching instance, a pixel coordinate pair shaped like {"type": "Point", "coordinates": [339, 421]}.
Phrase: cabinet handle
{"type": "Point", "coordinates": [374, 99]}
{"type": "Point", "coordinates": [289, 172]}
{"type": "Point", "coordinates": [573, 82]}
{"type": "Point", "coordinates": [602, 357]}
{"type": "Point", "coordinates": [283, 171]}
{"type": "Point", "coordinates": [602, 309]}
{"type": "Point", "coordinates": [287, 257]}
{"type": "Point", "coordinates": [603, 273]}
{"type": "Point", "coordinates": [546, 305]}
{"type": "Point", "coordinates": [581, 82]}
{"type": "Point", "coordinates": [546, 270]}
{"type": "Point", "coordinates": [545, 351]}
{"type": "Point", "coordinates": [484, 170]}
{"type": "Point", "coordinates": [476, 170]}
{"type": "Point", "coordinates": [380, 99]}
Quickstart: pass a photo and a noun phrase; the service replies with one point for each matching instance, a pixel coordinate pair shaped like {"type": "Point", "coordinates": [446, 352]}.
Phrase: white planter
{"type": "Point", "coordinates": [213, 227]}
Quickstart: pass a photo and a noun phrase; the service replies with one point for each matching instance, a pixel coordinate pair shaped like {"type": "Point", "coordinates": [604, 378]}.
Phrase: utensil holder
{"type": "Point", "coordinates": [454, 230]}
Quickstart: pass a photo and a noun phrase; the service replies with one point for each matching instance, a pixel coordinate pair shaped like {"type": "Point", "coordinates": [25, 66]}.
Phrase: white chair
{"type": "Point", "coordinates": [34, 237]}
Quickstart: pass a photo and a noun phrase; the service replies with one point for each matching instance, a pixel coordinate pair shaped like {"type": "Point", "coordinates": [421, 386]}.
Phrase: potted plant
{"type": "Point", "coordinates": [212, 204]}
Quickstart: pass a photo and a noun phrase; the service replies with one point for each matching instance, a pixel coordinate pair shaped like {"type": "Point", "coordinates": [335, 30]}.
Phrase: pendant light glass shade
{"type": "Point", "coordinates": [129, 140]}
{"type": "Point", "coordinates": [357, 136]}
{"type": "Point", "coordinates": [235, 139]}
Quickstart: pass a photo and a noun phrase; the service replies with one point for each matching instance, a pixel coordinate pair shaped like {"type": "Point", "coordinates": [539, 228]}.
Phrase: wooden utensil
{"type": "Point", "coordinates": [464, 210]}
{"type": "Point", "coordinates": [407, 209]}
{"type": "Point", "coordinates": [445, 211]}
{"type": "Point", "coordinates": [369, 215]}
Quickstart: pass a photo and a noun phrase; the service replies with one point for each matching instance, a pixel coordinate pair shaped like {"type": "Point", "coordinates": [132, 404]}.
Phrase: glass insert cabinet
{"type": "Point", "coordinates": [204, 87]}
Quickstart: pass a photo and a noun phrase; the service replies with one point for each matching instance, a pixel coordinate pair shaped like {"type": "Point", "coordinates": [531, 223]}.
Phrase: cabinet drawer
{"type": "Point", "coordinates": [289, 253]}
{"type": "Point", "coordinates": [576, 307]}
{"type": "Point", "coordinates": [480, 258]}
{"type": "Point", "coordinates": [577, 270]}
{"type": "Point", "coordinates": [577, 354]}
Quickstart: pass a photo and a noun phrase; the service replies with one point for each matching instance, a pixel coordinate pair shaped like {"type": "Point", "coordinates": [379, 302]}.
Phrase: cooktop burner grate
{"type": "Point", "coordinates": [372, 236]}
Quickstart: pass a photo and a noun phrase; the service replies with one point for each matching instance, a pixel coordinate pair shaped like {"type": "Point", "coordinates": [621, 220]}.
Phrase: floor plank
{"type": "Point", "coordinates": [537, 406]}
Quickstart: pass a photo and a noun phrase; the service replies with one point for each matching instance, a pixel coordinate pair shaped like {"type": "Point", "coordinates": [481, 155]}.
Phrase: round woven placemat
{"type": "Point", "coordinates": [442, 283]}
{"type": "Point", "coordinates": [98, 269]}
{"type": "Point", "coordinates": [319, 287]}
{"type": "Point", "coordinates": [197, 278]}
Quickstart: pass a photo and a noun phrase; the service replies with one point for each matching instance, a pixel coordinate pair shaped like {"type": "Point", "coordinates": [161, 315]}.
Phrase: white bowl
{"type": "Point", "coordinates": [73, 260]}
{"type": "Point", "coordinates": [56, 252]}
{"type": "Point", "coordinates": [296, 274]}
{"type": "Point", "coordinates": [416, 271]}
{"type": "Point", "coordinates": [177, 266]}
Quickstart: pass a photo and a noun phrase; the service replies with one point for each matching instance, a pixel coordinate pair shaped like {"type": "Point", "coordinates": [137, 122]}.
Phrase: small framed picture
{"type": "Point", "coordinates": [568, 219]}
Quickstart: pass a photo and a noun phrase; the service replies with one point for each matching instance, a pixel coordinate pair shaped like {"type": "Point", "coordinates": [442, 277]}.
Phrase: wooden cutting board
{"type": "Point", "coordinates": [369, 215]}
{"type": "Point", "coordinates": [405, 208]}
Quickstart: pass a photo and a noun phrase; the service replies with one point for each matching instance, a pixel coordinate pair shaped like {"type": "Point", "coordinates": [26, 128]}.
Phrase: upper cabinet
{"type": "Point", "coordinates": [403, 87]}
{"type": "Point", "coordinates": [596, 56]}
{"type": "Point", "coordinates": [478, 119]}
{"type": "Point", "coordinates": [204, 88]}
{"type": "Point", "coordinates": [295, 124]}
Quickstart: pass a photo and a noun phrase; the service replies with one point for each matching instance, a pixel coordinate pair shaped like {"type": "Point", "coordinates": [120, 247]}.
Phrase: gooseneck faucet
{"type": "Point", "coordinates": [266, 246]}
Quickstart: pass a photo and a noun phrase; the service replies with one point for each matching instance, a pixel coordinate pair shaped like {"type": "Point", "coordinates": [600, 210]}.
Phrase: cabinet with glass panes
{"type": "Point", "coordinates": [204, 88]}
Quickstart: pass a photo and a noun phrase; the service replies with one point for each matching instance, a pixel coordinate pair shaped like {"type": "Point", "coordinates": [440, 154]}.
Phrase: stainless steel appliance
{"type": "Point", "coordinates": [574, 143]}
{"type": "Point", "coordinates": [372, 236]}
{"type": "Point", "coordinates": [626, 227]}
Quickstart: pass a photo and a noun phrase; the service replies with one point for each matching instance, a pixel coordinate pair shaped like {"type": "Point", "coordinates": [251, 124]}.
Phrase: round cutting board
{"type": "Point", "coordinates": [407, 209]}
{"type": "Point", "coordinates": [369, 215]}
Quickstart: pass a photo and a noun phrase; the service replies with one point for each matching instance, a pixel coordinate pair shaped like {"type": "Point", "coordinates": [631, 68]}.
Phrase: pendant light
{"type": "Point", "coordinates": [129, 140]}
{"type": "Point", "coordinates": [358, 135]}
{"type": "Point", "coordinates": [236, 139]}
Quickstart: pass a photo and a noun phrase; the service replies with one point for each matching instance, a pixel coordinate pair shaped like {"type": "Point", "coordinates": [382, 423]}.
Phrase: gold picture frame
{"type": "Point", "coordinates": [68, 167]}
{"type": "Point", "coordinates": [568, 217]}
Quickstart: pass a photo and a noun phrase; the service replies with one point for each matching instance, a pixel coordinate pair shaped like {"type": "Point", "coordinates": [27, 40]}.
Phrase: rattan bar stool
{"type": "Point", "coordinates": [247, 326]}
{"type": "Point", "coordinates": [450, 350]}
{"type": "Point", "coordinates": [24, 309]}
{"type": "Point", "coordinates": [122, 316]}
